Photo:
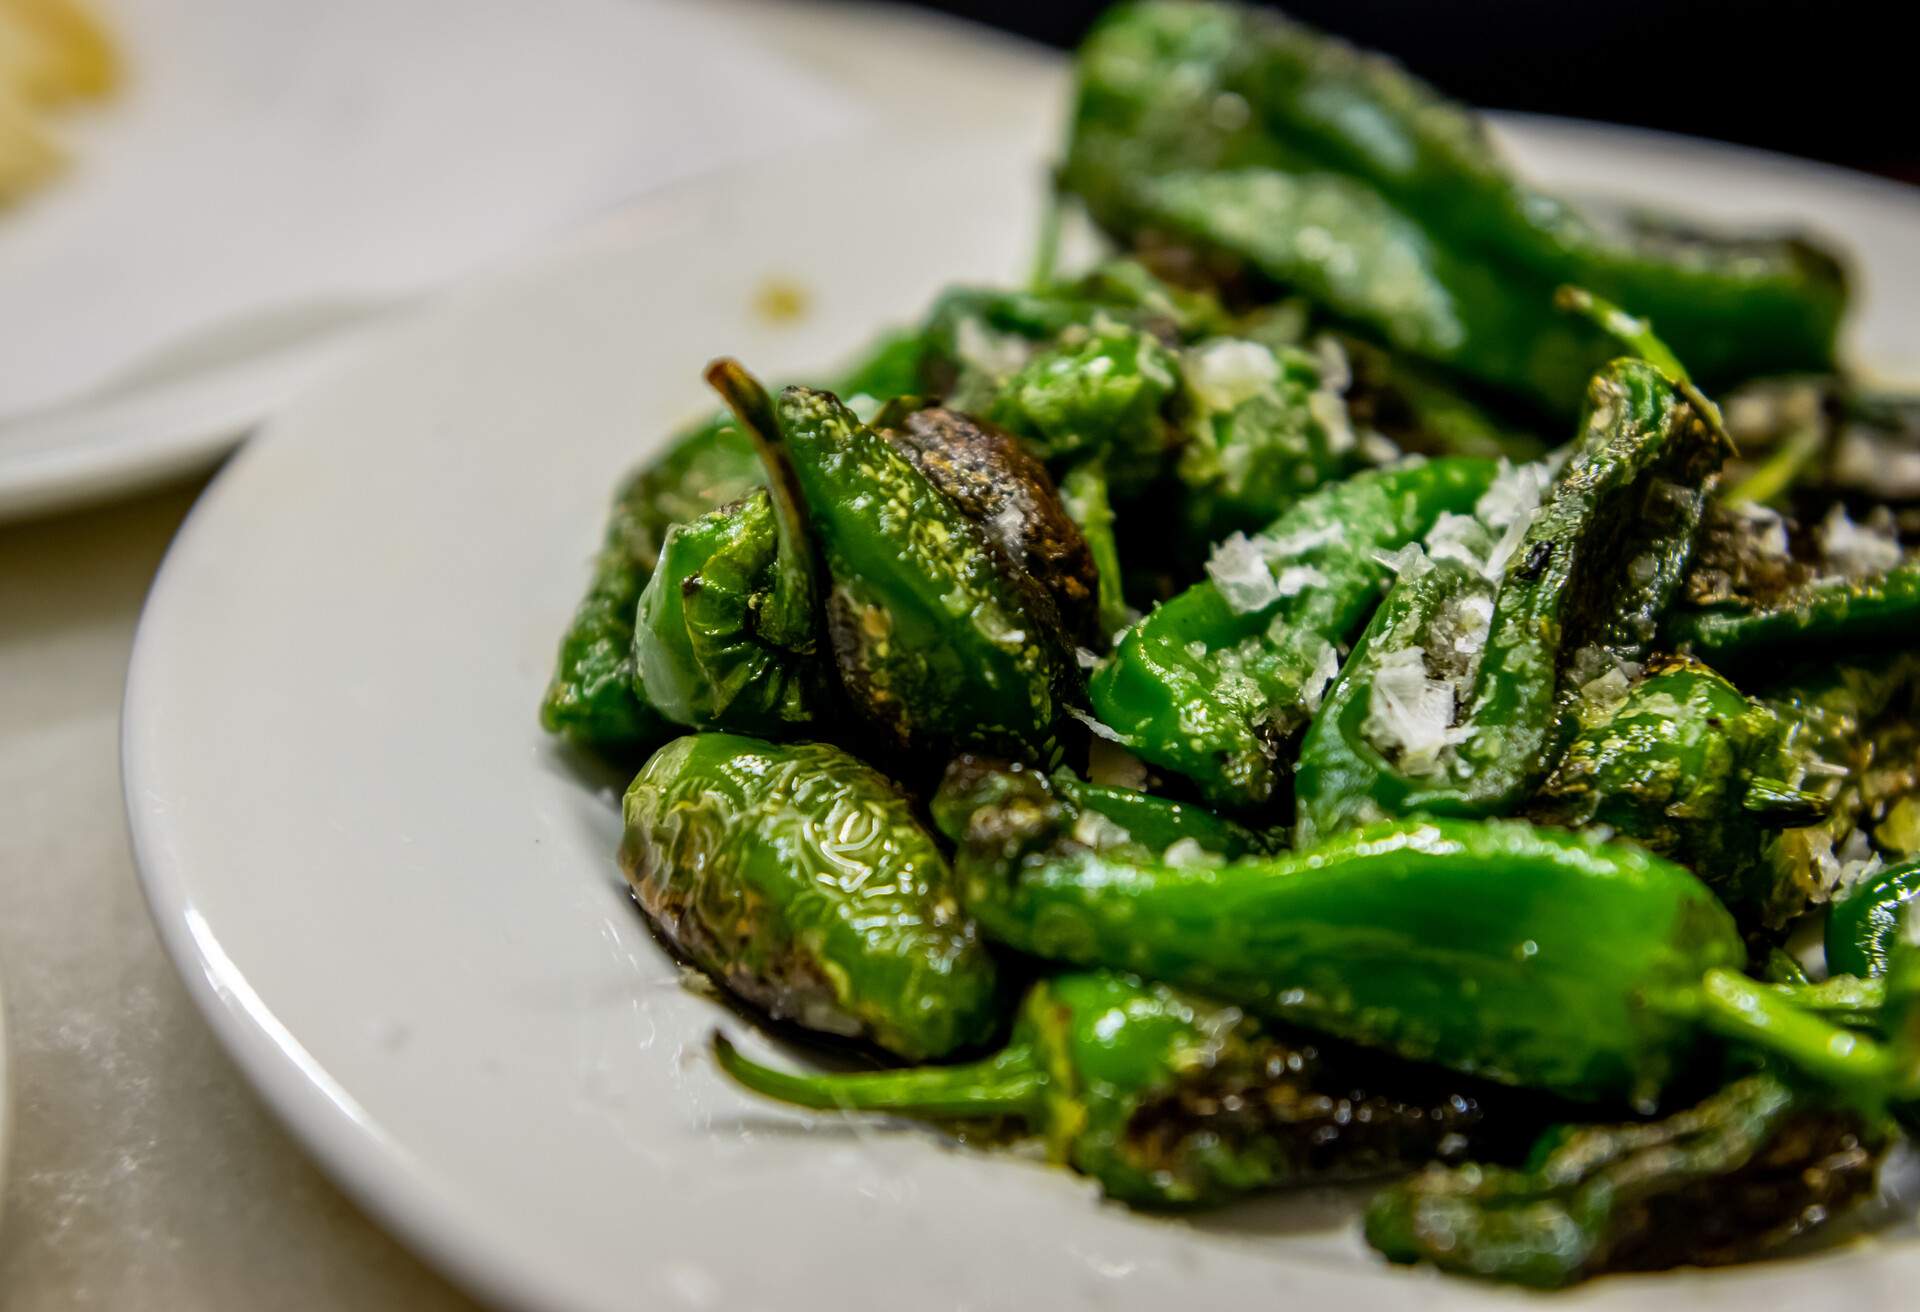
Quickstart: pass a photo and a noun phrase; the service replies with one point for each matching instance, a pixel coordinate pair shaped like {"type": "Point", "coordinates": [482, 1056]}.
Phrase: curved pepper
{"type": "Point", "coordinates": [1215, 86]}
{"type": "Point", "coordinates": [595, 697]}
{"type": "Point", "coordinates": [939, 640]}
{"type": "Point", "coordinates": [1724, 1181]}
{"type": "Point", "coordinates": [709, 639]}
{"type": "Point", "coordinates": [799, 879]}
{"type": "Point", "coordinates": [1342, 245]}
{"type": "Point", "coordinates": [592, 698]}
{"type": "Point", "coordinates": [1213, 682]}
{"type": "Point", "coordinates": [1264, 427]}
{"type": "Point", "coordinates": [1836, 613]}
{"type": "Point", "coordinates": [1692, 768]}
{"type": "Point", "coordinates": [1594, 569]}
{"type": "Point", "coordinates": [1166, 1099]}
{"type": "Point", "coordinates": [1527, 956]}
{"type": "Point", "coordinates": [991, 478]}
{"type": "Point", "coordinates": [1861, 926]}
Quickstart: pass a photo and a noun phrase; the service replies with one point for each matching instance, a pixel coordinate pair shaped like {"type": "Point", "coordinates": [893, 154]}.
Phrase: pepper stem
{"type": "Point", "coordinates": [788, 622]}
{"type": "Point", "coordinates": [1769, 1018]}
{"type": "Point", "coordinates": [1637, 335]}
{"type": "Point", "coordinates": [1009, 1083]}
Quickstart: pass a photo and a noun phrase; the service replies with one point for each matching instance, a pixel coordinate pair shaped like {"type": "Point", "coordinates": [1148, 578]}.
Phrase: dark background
{"type": "Point", "coordinates": [1837, 81]}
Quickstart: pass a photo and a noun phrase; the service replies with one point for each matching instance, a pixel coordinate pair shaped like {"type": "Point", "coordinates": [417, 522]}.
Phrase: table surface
{"type": "Point", "coordinates": [143, 1172]}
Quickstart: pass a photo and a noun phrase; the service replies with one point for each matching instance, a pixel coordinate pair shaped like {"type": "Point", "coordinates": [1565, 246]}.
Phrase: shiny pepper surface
{"type": "Point", "coordinates": [799, 878]}
{"type": "Point", "coordinates": [940, 641]}
{"type": "Point", "coordinates": [1213, 683]}
{"type": "Point", "coordinates": [1211, 88]}
{"type": "Point", "coordinates": [1166, 1099]}
{"type": "Point", "coordinates": [1523, 955]}
{"type": "Point", "coordinates": [1595, 569]}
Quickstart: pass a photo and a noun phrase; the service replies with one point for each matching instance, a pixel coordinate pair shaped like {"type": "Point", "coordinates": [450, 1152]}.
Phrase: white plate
{"type": "Point", "coordinates": [397, 903]}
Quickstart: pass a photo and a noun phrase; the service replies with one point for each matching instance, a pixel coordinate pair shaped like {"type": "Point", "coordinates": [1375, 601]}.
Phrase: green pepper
{"type": "Point", "coordinates": [1585, 582]}
{"type": "Point", "coordinates": [1098, 389]}
{"type": "Point", "coordinates": [978, 793]}
{"type": "Point", "coordinates": [1727, 1180]}
{"type": "Point", "coordinates": [1083, 494]}
{"type": "Point", "coordinates": [990, 477]}
{"type": "Point", "coordinates": [1524, 955]}
{"type": "Point", "coordinates": [799, 879]}
{"type": "Point", "coordinates": [1215, 87]}
{"type": "Point", "coordinates": [1264, 427]}
{"type": "Point", "coordinates": [1164, 1098]}
{"type": "Point", "coordinates": [595, 697]}
{"type": "Point", "coordinates": [709, 645]}
{"type": "Point", "coordinates": [1861, 926]}
{"type": "Point", "coordinates": [592, 698]}
{"type": "Point", "coordinates": [1212, 683]}
{"type": "Point", "coordinates": [938, 638]}
{"type": "Point", "coordinates": [1341, 244]}
{"type": "Point", "coordinates": [1836, 612]}
{"type": "Point", "coordinates": [1689, 766]}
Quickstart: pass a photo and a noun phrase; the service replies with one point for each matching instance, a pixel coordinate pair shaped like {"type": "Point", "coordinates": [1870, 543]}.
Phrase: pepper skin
{"type": "Point", "coordinates": [1212, 687]}
{"type": "Point", "coordinates": [1164, 1098]}
{"type": "Point", "coordinates": [1693, 769]}
{"type": "Point", "coordinates": [1018, 798]}
{"type": "Point", "coordinates": [1165, 86]}
{"type": "Point", "coordinates": [595, 698]}
{"type": "Point", "coordinates": [1339, 243]}
{"type": "Point", "coordinates": [1083, 494]}
{"type": "Point", "coordinates": [1528, 956]}
{"type": "Point", "coordinates": [1596, 568]}
{"type": "Point", "coordinates": [799, 879]}
{"type": "Point", "coordinates": [1837, 613]}
{"type": "Point", "coordinates": [1099, 389]}
{"type": "Point", "coordinates": [939, 641]}
{"type": "Point", "coordinates": [1263, 427]}
{"type": "Point", "coordinates": [991, 478]}
{"type": "Point", "coordinates": [1724, 1181]}
{"type": "Point", "coordinates": [1861, 926]}
{"type": "Point", "coordinates": [705, 648]}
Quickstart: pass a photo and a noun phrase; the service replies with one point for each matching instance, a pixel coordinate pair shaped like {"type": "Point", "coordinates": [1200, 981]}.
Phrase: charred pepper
{"type": "Point", "coordinates": [1166, 1099]}
{"type": "Point", "coordinates": [798, 877]}
{"type": "Point", "coordinates": [1528, 956]}
{"type": "Point", "coordinates": [1581, 582]}
{"type": "Point", "coordinates": [939, 639]}
{"type": "Point", "coordinates": [1724, 1181]}
{"type": "Point", "coordinates": [1212, 683]}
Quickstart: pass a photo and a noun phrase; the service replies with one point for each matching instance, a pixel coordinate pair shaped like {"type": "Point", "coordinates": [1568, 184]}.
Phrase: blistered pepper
{"type": "Point", "coordinates": [1727, 1180]}
{"type": "Point", "coordinates": [1835, 612]}
{"type": "Point", "coordinates": [1212, 683]}
{"type": "Point", "coordinates": [1105, 818]}
{"type": "Point", "coordinates": [1524, 955]}
{"type": "Point", "coordinates": [939, 639]}
{"type": "Point", "coordinates": [1861, 926]}
{"type": "Point", "coordinates": [1689, 766]}
{"type": "Point", "coordinates": [595, 697]}
{"type": "Point", "coordinates": [1166, 1099]}
{"type": "Point", "coordinates": [1213, 87]}
{"type": "Point", "coordinates": [798, 878]}
{"type": "Point", "coordinates": [1594, 569]}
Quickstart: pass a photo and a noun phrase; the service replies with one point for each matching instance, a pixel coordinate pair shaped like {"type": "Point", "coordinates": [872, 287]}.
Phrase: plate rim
{"type": "Point", "coordinates": [378, 1173]}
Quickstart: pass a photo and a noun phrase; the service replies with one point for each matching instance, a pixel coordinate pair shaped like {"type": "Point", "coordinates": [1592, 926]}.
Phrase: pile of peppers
{"type": "Point", "coordinates": [1324, 694]}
